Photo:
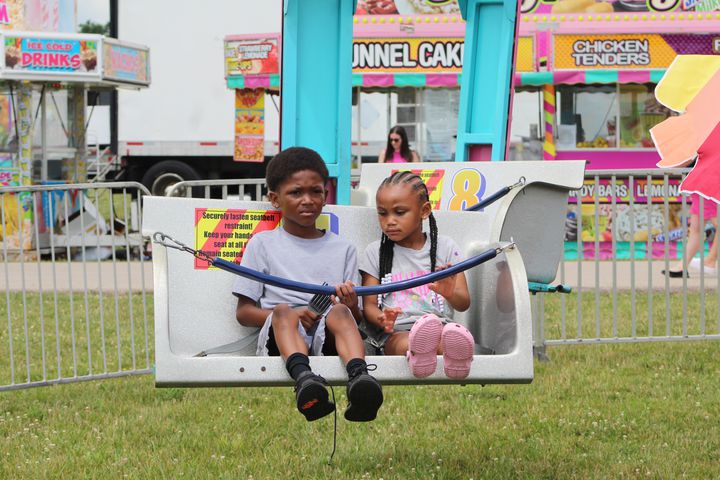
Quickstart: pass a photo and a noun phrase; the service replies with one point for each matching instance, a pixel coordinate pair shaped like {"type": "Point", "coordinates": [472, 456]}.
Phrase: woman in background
{"type": "Point", "coordinates": [398, 149]}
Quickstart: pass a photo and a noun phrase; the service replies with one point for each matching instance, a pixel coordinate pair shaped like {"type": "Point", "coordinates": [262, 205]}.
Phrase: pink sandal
{"type": "Point", "coordinates": [458, 347]}
{"type": "Point", "coordinates": [423, 344]}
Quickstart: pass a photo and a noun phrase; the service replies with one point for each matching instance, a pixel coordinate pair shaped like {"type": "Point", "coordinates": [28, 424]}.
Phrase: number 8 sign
{"type": "Point", "coordinates": [468, 187]}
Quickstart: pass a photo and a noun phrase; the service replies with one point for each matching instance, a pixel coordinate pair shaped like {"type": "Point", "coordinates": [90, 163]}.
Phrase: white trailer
{"type": "Point", "coordinates": [181, 128]}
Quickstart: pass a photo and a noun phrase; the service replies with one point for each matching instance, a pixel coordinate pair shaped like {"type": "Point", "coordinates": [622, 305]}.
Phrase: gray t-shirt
{"type": "Point", "coordinates": [407, 264]}
{"type": "Point", "coordinates": [328, 259]}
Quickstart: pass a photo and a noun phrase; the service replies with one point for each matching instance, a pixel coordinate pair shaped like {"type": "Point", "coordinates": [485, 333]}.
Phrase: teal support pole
{"type": "Point", "coordinates": [487, 78]}
{"type": "Point", "coordinates": [316, 109]}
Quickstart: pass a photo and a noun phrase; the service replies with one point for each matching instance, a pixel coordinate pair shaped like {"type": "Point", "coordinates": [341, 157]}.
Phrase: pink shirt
{"type": "Point", "coordinates": [396, 158]}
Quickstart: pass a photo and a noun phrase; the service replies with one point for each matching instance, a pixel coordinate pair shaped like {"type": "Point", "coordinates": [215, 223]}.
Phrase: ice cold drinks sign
{"type": "Point", "coordinates": [50, 55]}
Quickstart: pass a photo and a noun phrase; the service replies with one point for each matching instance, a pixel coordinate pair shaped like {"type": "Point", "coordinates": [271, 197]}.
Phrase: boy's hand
{"type": "Point", "coordinates": [387, 318]}
{"type": "Point", "coordinates": [307, 318]}
{"type": "Point", "coordinates": [446, 286]}
{"type": "Point", "coordinates": [345, 294]}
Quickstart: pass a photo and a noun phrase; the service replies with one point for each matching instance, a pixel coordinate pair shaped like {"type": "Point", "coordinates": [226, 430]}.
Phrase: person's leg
{"type": "Point", "coordinates": [693, 242]}
{"type": "Point", "coordinates": [711, 259]}
{"type": "Point", "coordinates": [343, 329]}
{"type": "Point", "coordinates": [311, 396]}
{"type": "Point", "coordinates": [363, 391]}
{"type": "Point", "coordinates": [397, 344]}
{"type": "Point", "coordinates": [285, 328]}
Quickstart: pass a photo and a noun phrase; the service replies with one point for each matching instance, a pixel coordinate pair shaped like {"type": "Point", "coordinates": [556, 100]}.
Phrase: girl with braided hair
{"type": "Point", "coordinates": [416, 322]}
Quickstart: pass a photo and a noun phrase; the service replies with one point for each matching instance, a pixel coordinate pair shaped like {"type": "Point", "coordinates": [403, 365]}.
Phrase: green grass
{"type": "Point", "coordinates": [102, 340]}
{"type": "Point", "coordinates": [601, 411]}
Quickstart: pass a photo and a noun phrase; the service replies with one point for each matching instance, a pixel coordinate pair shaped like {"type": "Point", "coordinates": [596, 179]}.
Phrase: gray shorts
{"type": "Point", "coordinates": [313, 340]}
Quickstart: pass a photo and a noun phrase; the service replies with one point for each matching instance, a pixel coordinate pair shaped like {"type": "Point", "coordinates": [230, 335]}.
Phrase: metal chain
{"type": "Point", "coordinates": [169, 242]}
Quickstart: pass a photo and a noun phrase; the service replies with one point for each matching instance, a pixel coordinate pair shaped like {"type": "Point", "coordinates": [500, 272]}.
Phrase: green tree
{"type": "Point", "coordinates": [91, 27]}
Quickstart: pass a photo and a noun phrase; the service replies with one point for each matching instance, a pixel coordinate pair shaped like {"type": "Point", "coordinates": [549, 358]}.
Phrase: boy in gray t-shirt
{"type": "Point", "coordinates": [330, 258]}
{"type": "Point", "coordinates": [297, 250]}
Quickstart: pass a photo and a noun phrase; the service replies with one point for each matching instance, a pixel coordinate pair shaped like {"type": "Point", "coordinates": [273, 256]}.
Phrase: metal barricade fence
{"type": "Point", "coordinates": [242, 188]}
{"type": "Point", "coordinates": [76, 284]}
{"type": "Point", "coordinates": [624, 229]}
{"type": "Point", "coordinates": [619, 294]}
{"type": "Point", "coordinates": [76, 295]}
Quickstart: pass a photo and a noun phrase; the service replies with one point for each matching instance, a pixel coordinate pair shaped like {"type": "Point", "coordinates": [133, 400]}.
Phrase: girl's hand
{"type": "Point", "coordinates": [345, 294]}
{"type": "Point", "coordinates": [446, 286]}
{"type": "Point", "coordinates": [387, 318]}
{"type": "Point", "coordinates": [307, 318]}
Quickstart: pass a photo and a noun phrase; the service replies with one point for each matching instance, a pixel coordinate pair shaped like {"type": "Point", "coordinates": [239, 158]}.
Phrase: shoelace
{"type": "Point", "coordinates": [332, 454]}
{"type": "Point", "coordinates": [371, 367]}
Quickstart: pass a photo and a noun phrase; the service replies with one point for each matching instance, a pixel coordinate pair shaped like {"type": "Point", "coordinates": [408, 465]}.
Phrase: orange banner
{"type": "Point", "coordinates": [249, 125]}
{"type": "Point", "coordinates": [433, 181]}
{"type": "Point", "coordinates": [224, 233]}
{"type": "Point", "coordinates": [525, 59]}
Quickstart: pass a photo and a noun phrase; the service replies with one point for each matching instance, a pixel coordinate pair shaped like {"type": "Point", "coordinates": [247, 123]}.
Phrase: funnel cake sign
{"type": "Point", "coordinates": [32, 55]}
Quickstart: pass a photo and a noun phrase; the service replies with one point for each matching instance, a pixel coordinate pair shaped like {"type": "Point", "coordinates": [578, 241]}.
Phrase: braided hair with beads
{"type": "Point", "coordinates": [387, 245]}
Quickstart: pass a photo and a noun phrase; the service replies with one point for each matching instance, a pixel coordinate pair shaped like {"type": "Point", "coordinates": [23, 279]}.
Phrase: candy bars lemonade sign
{"type": "Point", "coordinates": [658, 191]}
{"type": "Point", "coordinates": [42, 55]}
{"type": "Point", "coordinates": [433, 180]}
{"type": "Point", "coordinates": [224, 233]}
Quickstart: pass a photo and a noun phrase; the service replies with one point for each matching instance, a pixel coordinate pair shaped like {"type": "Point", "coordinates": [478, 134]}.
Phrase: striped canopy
{"type": "Point", "coordinates": [387, 80]}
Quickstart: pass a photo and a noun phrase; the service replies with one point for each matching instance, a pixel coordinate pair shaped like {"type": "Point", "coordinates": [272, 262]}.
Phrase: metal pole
{"type": "Point", "coordinates": [43, 141]}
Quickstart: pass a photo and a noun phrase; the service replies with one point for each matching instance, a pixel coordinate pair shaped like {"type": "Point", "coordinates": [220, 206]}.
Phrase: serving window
{"type": "Point", "coordinates": [526, 127]}
{"type": "Point", "coordinates": [607, 116]}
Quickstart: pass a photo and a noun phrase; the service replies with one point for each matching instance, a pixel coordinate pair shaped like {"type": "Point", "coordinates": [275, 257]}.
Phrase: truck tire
{"type": "Point", "coordinates": [161, 177]}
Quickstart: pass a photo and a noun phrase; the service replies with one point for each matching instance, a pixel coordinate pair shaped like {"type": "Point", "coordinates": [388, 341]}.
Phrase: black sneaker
{"type": "Point", "coordinates": [312, 397]}
{"type": "Point", "coordinates": [364, 398]}
{"type": "Point", "coordinates": [676, 273]}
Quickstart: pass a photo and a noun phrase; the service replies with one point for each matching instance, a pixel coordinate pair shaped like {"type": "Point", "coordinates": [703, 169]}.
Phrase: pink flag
{"type": "Point", "coordinates": [704, 178]}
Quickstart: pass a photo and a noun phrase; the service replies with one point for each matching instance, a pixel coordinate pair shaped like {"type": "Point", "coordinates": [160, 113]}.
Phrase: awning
{"type": "Point", "coordinates": [375, 80]}
{"type": "Point", "coordinates": [447, 80]}
{"type": "Point", "coordinates": [567, 77]}
{"type": "Point", "coordinates": [271, 81]}
{"type": "Point", "coordinates": [452, 80]}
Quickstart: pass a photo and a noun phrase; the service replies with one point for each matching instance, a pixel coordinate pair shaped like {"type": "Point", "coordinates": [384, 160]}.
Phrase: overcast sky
{"type": "Point", "coordinates": [95, 10]}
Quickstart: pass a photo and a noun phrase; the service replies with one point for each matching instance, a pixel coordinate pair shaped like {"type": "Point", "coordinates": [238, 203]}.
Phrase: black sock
{"type": "Point", "coordinates": [296, 364]}
{"type": "Point", "coordinates": [356, 366]}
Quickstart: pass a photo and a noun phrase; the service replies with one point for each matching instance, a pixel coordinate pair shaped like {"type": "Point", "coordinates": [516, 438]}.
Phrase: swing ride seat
{"type": "Point", "coordinates": [195, 309]}
{"type": "Point", "coordinates": [532, 215]}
